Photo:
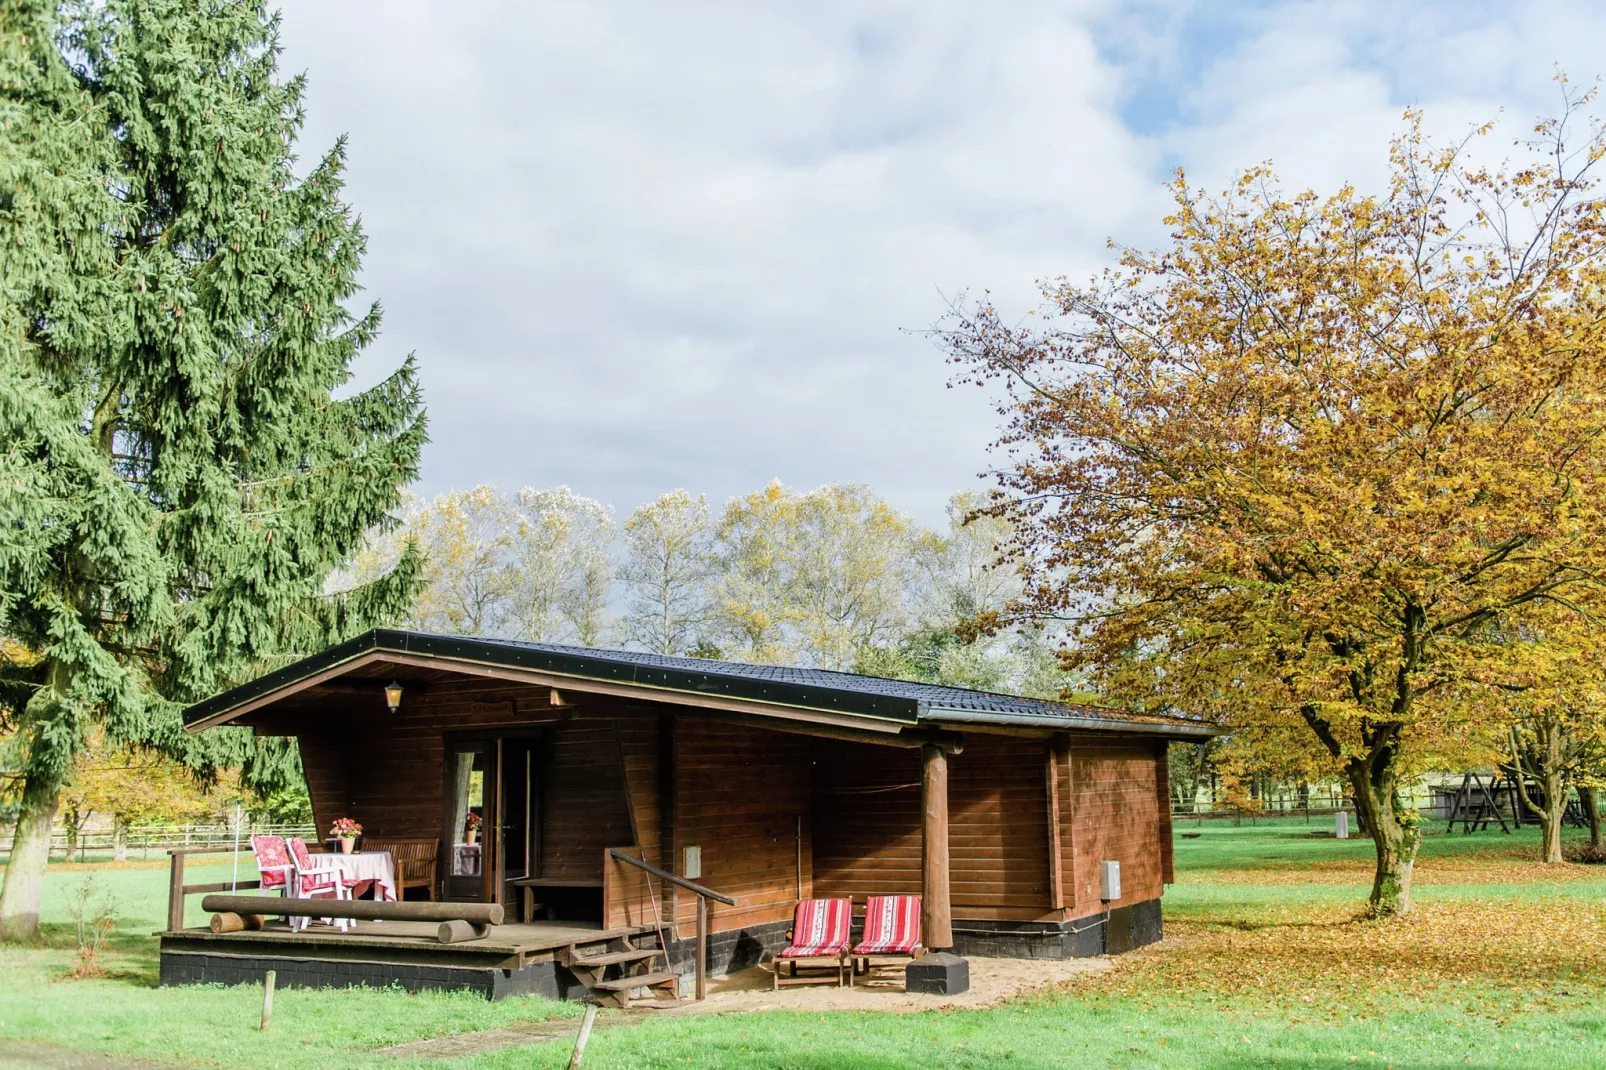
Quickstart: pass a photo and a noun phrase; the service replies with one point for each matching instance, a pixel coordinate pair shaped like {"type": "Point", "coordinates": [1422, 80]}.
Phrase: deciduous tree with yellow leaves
{"type": "Point", "coordinates": [1311, 462]}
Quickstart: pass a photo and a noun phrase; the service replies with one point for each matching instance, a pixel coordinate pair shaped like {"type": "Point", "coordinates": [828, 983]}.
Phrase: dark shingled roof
{"type": "Point", "coordinates": [820, 689]}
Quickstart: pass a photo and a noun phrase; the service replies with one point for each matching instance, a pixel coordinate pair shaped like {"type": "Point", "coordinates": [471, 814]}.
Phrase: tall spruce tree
{"type": "Point", "coordinates": [177, 476]}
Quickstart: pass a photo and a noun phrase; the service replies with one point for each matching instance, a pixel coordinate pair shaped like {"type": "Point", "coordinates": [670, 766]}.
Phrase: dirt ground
{"type": "Point", "coordinates": [991, 981]}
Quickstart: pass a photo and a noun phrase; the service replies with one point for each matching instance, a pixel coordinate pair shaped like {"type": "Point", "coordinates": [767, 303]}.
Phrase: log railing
{"type": "Point", "coordinates": [177, 889]}
{"type": "Point", "coordinates": [459, 921]}
{"type": "Point", "coordinates": [703, 896]}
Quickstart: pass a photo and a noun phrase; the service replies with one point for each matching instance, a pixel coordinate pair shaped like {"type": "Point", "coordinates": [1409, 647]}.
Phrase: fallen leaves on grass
{"type": "Point", "coordinates": [1316, 962]}
{"type": "Point", "coordinates": [1493, 865]}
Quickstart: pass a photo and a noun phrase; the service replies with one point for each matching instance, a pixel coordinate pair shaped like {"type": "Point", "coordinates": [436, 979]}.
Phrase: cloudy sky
{"type": "Point", "coordinates": [640, 245]}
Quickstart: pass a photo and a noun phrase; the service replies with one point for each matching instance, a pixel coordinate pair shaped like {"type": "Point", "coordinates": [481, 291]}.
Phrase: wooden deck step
{"type": "Point", "coordinates": [640, 980]}
{"type": "Point", "coordinates": [609, 958]}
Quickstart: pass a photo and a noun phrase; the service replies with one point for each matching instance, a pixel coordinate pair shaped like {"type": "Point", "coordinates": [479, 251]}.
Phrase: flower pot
{"type": "Point", "coordinates": [471, 836]}
{"type": "Point", "coordinates": [347, 843]}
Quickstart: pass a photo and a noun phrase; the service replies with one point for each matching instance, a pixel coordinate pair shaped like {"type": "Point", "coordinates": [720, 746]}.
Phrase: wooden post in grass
{"type": "Point", "coordinates": [583, 1036]}
{"type": "Point", "coordinates": [267, 998]}
{"type": "Point", "coordinates": [175, 892]}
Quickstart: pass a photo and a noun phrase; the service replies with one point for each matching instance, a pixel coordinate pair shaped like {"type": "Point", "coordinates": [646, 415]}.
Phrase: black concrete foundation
{"type": "Point", "coordinates": [1127, 927]}
{"type": "Point", "coordinates": [212, 968]}
{"type": "Point", "coordinates": [190, 962]}
{"type": "Point", "coordinates": [937, 974]}
{"type": "Point", "coordinates": [729, 952]}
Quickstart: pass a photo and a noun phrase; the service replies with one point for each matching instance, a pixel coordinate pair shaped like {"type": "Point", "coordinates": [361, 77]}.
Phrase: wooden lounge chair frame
{"type": "Point", "coordinates": [862, 964]}
{"type": "Point", "coordinates": [838, 962]}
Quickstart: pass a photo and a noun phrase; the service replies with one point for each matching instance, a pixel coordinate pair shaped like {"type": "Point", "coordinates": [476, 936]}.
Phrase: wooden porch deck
{"type": "Point", "coordinates": [510, 960]}
{"type": "Point", "coordinates": [511, 947]}
{"type": "Point", "coordinates": [515, 940]}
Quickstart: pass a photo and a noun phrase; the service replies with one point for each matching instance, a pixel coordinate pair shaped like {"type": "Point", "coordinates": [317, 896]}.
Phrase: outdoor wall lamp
{"type": "Point", "coordinates": [393, 693]}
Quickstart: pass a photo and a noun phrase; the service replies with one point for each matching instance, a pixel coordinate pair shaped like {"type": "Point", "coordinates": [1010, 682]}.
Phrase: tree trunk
{"type": "Point", "coordinates": [1544, 762]}
{"type": "Point", "coordinates": [1552, 814]}
{"type": "Point", "coordinates": [119, 840]}
{"type": "Point", "coordinates": [1394, 831]}
{"type": "Point", "coordinates": [30, 853]}
{"type": "Point", "coordinates": [1591, 805]}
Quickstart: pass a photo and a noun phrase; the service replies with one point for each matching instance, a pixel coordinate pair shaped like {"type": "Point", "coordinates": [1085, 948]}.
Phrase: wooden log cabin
{"type": "Point", "coordinates": [766, 784]}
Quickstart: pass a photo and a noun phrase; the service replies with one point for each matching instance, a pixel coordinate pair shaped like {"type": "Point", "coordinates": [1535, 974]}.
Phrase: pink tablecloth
{"type": "Point", "coordinates": [374, 870]}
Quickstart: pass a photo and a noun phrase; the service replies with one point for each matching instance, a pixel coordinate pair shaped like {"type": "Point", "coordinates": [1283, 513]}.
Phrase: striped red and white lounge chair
{"type": "Point", "coordinates": [821, 932]}
{"type": "Point", "coordinates": [891, 930]}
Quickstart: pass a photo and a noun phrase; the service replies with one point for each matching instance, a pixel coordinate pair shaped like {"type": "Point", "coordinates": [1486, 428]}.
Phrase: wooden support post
{"type": "Point", "coordinates": [936, 910]}
{"type": "Point", "coordinates": [585, 1031]}
{"type": "Point", "coordinates": [267, 998]}
{"type": "Point", "coordinates": [702, 948]}
{"type": "Point", "coordinates": [1056, 873]}
{"type": "Point", "coordinates": [175, 893]}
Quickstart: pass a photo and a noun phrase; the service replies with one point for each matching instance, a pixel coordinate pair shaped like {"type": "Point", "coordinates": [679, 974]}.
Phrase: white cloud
{"type": "Point", "coordinates": [643, 245]}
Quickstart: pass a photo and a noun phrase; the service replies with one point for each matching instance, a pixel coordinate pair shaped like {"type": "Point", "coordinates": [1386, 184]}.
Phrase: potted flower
{"type": "Point", "coordinates": [471, 828]}
{"type": "Point", "coordinates": [346, 831]}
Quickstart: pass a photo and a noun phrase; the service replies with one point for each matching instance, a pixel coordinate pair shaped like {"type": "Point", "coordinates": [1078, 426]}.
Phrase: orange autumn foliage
{"type": "Point", "coordinates": [1309, 468]}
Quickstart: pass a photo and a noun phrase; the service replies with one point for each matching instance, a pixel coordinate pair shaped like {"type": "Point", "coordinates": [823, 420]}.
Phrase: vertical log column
{"type": "Point", "coordinates": [936, 908]}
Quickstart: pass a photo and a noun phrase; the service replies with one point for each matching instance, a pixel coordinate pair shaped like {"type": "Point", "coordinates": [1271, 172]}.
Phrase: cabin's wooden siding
{"type": "Point", "coordinates": [998, 828]}
{"type": "Point", "coordinates": [740, 794]}
{"type": "Point", "coordinates": [632, 897]}
{"type": "Point", "coordinates": [323, 761]}
{"type": "Point", "coordinates": [623, 774]}
{"type": "Point", "coordinates": [867, 825]}
{"type": "Point", "coordinates": [397, 765]}
{"type": "Point", "coordinates": [583, 806]}
{"type": "Point", "coordinates": [1115, 815]}
{"type": "Point", "coordinates": [866, 820]}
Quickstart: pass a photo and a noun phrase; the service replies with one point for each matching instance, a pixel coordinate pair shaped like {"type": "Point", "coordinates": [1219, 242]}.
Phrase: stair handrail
{"type": "Point", "coordinates": [703, 896]}
{"type": "Point", "coordinates": [690, 886]}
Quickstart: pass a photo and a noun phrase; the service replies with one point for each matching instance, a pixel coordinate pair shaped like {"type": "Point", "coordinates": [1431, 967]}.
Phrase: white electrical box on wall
{"type": "Point", "coordinates": [692, 868]}
{"type": "Point", "coordinates": [1109, 881]}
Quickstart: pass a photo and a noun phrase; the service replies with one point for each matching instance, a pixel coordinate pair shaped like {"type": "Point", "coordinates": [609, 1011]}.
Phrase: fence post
{"type": "Point", "coordinates": [175, 893]}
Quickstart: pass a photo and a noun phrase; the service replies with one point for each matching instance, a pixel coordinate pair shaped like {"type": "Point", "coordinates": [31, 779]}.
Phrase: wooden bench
{"type": "Point", "coordinates": [415, 863]}
{"type": "Point", "coordinates": [530, 884]}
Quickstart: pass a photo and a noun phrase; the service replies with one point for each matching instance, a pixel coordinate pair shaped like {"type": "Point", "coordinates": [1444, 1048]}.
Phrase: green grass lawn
{"type": "Point", "coordinates": [1266, 964]}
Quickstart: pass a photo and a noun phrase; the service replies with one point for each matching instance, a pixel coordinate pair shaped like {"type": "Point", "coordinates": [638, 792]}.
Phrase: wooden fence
{"type": "Point", "coordinates": [139, 841]}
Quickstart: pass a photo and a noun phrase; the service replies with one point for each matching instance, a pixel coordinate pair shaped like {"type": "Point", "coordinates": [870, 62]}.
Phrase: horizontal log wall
{"type": "Point", "coordinates": [867, 825]}
{"type": "Point", "coordinates": [632, 898]}
{"type": "Point", "coordinates": [1114, 814]}
{"type": "Point", "coordinates": [739, 793]}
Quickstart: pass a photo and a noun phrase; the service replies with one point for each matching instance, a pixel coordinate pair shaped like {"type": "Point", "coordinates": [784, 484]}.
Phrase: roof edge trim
{"type": "Point", "coordinates": [1177, 730]}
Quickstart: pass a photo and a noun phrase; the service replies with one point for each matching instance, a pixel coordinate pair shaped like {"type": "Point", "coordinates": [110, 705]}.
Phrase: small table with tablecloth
{"type": "Point", "coordinates": [373, 871]}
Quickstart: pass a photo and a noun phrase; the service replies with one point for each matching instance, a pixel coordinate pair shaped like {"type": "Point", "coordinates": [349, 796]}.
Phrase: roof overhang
{"type": "Point", "coordinates": [886, 717]}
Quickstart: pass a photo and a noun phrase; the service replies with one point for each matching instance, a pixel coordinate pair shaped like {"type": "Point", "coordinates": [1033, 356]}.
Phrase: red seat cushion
{"type": "Point", "coordinates": [820, 928]}
{"type": "Point", "coordinates": [891, 926]}
{"type": "Point", "coordinates": [273, 860]}
{"type": "Point", "coordinates": [311, 883]}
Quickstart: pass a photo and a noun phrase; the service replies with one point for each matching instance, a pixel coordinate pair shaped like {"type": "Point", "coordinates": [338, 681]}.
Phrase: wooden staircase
{"type": "Point", "coordinates": [633, 969]}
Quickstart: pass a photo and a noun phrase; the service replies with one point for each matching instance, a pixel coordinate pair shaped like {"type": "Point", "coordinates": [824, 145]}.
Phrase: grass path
{"type": "Point", "coordinates": [1266, 963]}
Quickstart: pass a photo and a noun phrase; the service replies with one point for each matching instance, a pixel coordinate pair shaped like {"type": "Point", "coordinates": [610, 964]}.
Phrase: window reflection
{"type": "Point", "coordinates": [468, 812]}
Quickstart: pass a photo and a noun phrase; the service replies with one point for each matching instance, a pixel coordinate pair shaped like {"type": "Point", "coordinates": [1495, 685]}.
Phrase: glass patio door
{"type": "Point", "coordinates": [469, 820]}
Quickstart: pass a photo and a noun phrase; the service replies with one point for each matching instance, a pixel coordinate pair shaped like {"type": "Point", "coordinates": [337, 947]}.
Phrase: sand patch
{"type": "Point", "coordinates": [992, 981]}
